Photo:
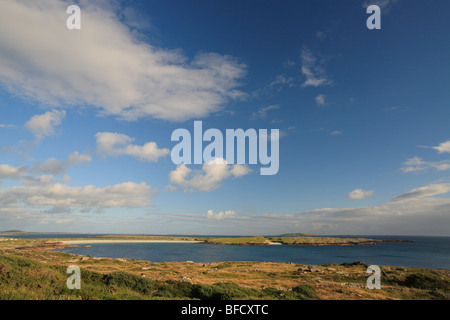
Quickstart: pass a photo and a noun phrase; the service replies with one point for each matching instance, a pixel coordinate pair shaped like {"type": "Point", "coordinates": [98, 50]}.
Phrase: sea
{"type": "Point", "coordinates": [424, 251]}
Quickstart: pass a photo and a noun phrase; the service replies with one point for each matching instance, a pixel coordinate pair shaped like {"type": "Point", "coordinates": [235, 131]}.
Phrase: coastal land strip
{"type": "Point", "coordinates": [31, 269]}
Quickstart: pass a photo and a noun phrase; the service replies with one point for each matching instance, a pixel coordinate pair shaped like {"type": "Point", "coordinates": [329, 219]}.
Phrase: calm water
{"type": "Point", "coordinates": [429, 252]}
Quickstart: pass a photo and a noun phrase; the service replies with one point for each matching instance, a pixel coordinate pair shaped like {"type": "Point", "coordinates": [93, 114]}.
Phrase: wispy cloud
{"type": "Point", "coordinates": [416, 164]}
{"type": "Point", "coordinates": [312, 70]}
{"type": "Point", "coordinates": [336, 133]}
{"type": "Point", "coordinates": [427, 191]}
{"type": "Point", "coordinates": [7, 126]}
{"type": "Point", "coordinates": [385, 5]}
{"type": "Point", "coordinates": [280, 82]}
{"type": "Point", "coordinates": [262, 113]}
{"type": "Point", "coordinates": [321, 35]}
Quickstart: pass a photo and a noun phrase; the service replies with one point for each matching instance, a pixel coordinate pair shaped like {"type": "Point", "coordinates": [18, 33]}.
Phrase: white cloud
{"type": "Point", "coordinates": [221, 215]}
{"type": "Point", "coordinates": [417, 164]}
{"type": "Point", "coordinates": [277, 84]}
{"type": "Point", "coordinates": [320, 100]}
{"type": "Point", "coordinates": [45, 179]}
{"type": "Point", "coordinates": [336, 133]}
{"type": "Point", "coordinates": [209, 177]}
{"type": "Point", "coordinates": [43, 125]}
{"type": "Point", "coordinates": [269, 136]}
{"type": "Point", "coordinates": [360, 194]}
{"type": "Point", "coordinates": [7, 126]}
{"type": "Point", "coordinates": [444, 147]}
{"type": "Point", "coordinates": [103, 65]}
{"type": "Point", "coordinates": [415, 212]}
{"type": "Point", "coordinates": [385, 5]}
{"type": "Point", "coordinates": [321, 35]}
{"type": "Point", "coordinates": [55, 166]}
{"type": "Point", "coordinates": [56, 197]}
{"type": "Point", "coordinates": [11, 172]}
{"type": "Point", "coordinates": [427, 191]}
{"type": "Point", "coordinates": [262, 113]}
{"type": "Point", "coordinates": [418, 214]}
{"type": "Point", "coordinates": [75, 158]}
{"type": "Point", "coordinates": [109, 143]}
{"type": "Point", "coordinates": [312, 70]}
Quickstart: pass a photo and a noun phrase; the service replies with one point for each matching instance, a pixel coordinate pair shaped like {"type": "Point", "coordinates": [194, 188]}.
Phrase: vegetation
{"type": "Point", "coordinates": [286, 239]}
{"type": "Point", "coordinates": [29, 269]}
{"type": "Point", "coordinates": [35, 272]}
{"type": "Point", "coordinates": [297, 235]}
{"type": "Point", "coordinates": [253, 240]}
{"type": "Point", "coordinates": [23, 279]}
{"type": "Point", "coordinates": [314, 240]}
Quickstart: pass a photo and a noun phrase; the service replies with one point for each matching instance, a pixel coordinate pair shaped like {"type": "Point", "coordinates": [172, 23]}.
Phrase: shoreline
{"type": "Point", "coordinates": [70, 242]}
{"type": "Point", "coordinates": [74, 242]}
{"type": "Point", "coordinates": [270, 243]}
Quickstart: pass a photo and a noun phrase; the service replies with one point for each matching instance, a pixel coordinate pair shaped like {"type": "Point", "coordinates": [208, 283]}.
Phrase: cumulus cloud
{"type": "Point", "coordinates": [221, 215]}
{"type": "Point", "coordinates": [413, 213]}
{"type": "Point", "coordinates": [209, 177]}
{"type": "Point", "coordinates": [43, 125]}
{"type": "Point", "coordinates": [312, 70]}
{"type": "Point", "coordinates": [360, 194]}
{"type": "Point", "coordinates": [105, 66]}
{"type": "Point", "coordinates": [444, 147]}
{"type": "Point", "coordinates": [11, 172]}
{"type": "Point", "coordinates": [320, 100]}
{"type": "Point", "coordinates": [57, 197]}
{"type": "Point", "coordinates": [45, 179]}
{"type": "Point", "coordinates": [112, 143]}
{"type": "Point", "coordinates": [55, 166]}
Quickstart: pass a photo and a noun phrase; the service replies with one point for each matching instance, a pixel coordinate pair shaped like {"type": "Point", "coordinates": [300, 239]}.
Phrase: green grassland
{"type": "Point", "coordinates": [314, 240]}
{"type": "Point", "coordinates": [252, 240]}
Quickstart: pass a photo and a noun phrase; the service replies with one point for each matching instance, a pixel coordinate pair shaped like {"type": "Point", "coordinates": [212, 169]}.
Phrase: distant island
{"type": "Point", "coordinates": [309, 240]}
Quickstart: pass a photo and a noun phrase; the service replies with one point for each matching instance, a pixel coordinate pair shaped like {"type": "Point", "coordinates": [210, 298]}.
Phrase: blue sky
{"type": "Point", "coordinates": [86, 116]}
